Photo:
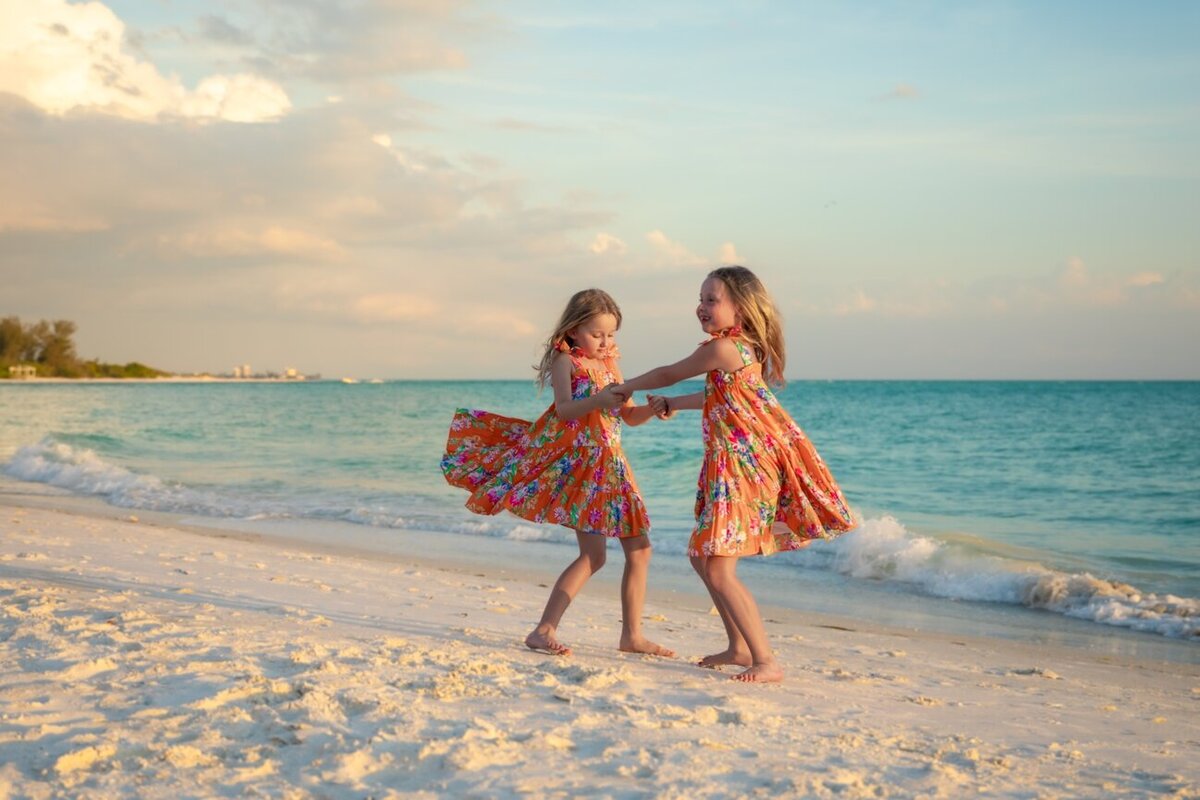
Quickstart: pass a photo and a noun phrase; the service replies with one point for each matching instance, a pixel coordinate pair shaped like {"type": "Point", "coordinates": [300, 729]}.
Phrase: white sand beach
{"type": "Point", "coordinates": [142, 657]}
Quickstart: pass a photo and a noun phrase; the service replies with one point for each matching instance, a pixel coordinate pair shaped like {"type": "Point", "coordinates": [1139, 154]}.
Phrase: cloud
{"type": "Point", "coordinates": [913, 299]}
{"type": "Point", "coordinates": [394, 307]}
{"type": "Point", "coordinates": [607, 244]}
{"type": "Point", "coordinates": [363, 42]}
{"type": "Point", "coordinates": [235, 98]}
{"type": "Point", "coordinates": [1187, 299]}
{"type": "Point", "coordinates": [524, 126]}
{"type": "Point", "coordinates": [729, 254]}
{"type": "Point", "coordinates": [220, 30]}
{"type": "Point", "coordinates": [497, 324]}
{"type": "Point", "coordinates": [1075, 274]}
{"type": "Point", "coordinates": [19, 215]}
{"type": "Point", "coordinates": [64, 57]}
{"type": "Point", "coordinates": [902, 91]}
{"type": "Point", "coordinates": [1080, 288]}
{"type": "Point", "coordinates": [859, 303]}
{"type": "Point", "coordinates": [669, 253]}
{"type": "Point", "coordinates": [1144, 279]}
{"type": "Point", "coordinates": [241, 241]}
{"type": "Point", "coordinates": [301, 236]}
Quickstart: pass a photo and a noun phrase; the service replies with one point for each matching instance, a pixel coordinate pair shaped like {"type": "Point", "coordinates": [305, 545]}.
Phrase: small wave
{"type": "Point", "coordinates": [883, 549]}
{"type": "Point", "coordinates": [82, 471]}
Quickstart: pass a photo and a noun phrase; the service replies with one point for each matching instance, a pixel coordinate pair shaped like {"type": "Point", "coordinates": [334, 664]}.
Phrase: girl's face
{"type": "Point", "coordinates": [716, 311]}
{"type": "Point", "coordinates": [596, 337]}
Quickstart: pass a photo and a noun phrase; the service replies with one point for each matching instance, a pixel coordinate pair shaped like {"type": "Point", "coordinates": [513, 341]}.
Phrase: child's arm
{"type": "Point", "coordinates": [718, 354]}
{"type": "Point", "coordinates": [636, 415]}
{"type": "Point", "coordinates": [566, 407]}
{"type": "Point", "coordinates": [632, 415]}
{"type": "Point", "coordinates": [665, 407]}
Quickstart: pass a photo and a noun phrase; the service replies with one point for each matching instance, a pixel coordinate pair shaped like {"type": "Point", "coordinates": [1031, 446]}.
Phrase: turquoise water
{"type": "Point", "coordinates": [1077, 498]}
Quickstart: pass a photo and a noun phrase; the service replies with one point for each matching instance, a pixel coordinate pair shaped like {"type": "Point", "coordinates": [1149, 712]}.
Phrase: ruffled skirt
{"type": "Point", "coordinates": [778, 498]}
{"type": "Point", "coordinates": [541, 472]}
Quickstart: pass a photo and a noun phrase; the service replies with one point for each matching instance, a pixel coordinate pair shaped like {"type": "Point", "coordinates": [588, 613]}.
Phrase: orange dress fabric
{"type": "Point", "coordinates": [763, 487]}
{"type": "Point", "coordinates": [572, 473]}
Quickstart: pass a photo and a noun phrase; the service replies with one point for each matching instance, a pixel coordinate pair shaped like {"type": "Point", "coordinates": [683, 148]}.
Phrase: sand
{"type": "Point", "coordinates": [141, 657]}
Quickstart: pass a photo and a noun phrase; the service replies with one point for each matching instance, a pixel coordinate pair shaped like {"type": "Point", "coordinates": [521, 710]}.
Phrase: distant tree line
{"type": "Point", "coordinates": [49, 347]}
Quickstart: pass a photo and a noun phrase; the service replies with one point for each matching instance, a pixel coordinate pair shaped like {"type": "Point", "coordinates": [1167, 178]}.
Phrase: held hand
{"type": "Point", "coordinates": [660, 405]}
{"type": "Point", "coordinates": [618, 389]}
{"type": "Point", "coordinates": [610, 396]}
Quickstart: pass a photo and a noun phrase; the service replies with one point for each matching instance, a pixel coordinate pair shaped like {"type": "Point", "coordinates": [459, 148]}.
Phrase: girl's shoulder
{"type": "Point", "coordinates": [563, 362]}
{"type": "Point", "coordinates": [574, 363]}
{"type": "Point", "coordinates": [730, 353]}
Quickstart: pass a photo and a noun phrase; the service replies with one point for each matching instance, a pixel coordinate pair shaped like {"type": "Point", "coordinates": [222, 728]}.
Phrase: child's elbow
{"type": "Point", "coordinates": [564, 412]}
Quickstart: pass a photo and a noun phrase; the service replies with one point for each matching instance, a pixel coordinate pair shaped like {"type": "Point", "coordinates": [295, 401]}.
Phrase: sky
{"type": "Point", "coordinates": [413, 188]}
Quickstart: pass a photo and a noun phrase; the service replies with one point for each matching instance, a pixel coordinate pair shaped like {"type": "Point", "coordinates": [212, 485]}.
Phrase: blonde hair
{"type": "Point", "coordinates": [762, 326]}
{"type": "Point", "coordinates": [580, 308]}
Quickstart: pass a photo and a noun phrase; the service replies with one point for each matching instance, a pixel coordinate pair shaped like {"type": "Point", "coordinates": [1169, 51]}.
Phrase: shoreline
{"type": "Point", "coordinates": [152, 658]}
{"type": "Point", "coordinates": [781, 593]}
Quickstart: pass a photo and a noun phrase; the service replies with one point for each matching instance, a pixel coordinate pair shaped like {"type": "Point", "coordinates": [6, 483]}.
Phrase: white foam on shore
{"type": "Point", "coordinates": [881, 549]}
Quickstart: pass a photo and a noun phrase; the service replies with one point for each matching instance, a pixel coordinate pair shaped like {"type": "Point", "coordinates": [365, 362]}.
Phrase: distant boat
{"type": "Point", "coordinates": [375, 380]}
{"type": "Point", "coordinates": [349, 380]}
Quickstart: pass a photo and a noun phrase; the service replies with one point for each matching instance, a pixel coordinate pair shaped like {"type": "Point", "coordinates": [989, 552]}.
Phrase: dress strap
{"type": "Point", "coordinates": [734, 335]}
{"type": "Point", "coordinates": [747, 356]}
{"type": "Point", "coordinates": [574, 353]}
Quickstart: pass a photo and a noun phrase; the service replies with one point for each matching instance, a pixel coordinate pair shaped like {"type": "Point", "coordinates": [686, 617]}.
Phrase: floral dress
{"type": "Point", "coordinates": [571, 473]}
{"type": "Point", "coordinates": [759, 469]}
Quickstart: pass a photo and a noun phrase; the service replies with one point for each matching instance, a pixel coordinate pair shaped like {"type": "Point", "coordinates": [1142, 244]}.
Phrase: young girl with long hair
{"type": "Point", "coordinates": [568, 466]}
{"type": "Point", "coordinates": [762, 486]}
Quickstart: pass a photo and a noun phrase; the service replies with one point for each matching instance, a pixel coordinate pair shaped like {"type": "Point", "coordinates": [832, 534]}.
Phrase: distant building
{"type": "Point", "coordinates": [237, 372]}
{"type": "Point", "coordinates": [246, 373]}
{"type": "Point", "coordinates": [291, 374]}
{"type": "Point", "coordinates": [22, 372]}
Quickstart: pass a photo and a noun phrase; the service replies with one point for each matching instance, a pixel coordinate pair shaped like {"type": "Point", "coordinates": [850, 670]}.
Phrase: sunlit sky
{"type": "Point", "coordinates": [412, 188]}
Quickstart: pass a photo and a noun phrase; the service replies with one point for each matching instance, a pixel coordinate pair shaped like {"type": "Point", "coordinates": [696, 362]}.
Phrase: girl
{"type": "Point", "coordinates": [567, 467]}
{"type": "Point", "coordinates": [763, 488]}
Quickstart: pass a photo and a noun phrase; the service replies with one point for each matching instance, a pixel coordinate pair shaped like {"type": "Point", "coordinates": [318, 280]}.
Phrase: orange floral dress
{"type": "Point", "coordinates": [759, 470]}
{"type": "Point", "coordinates": [572, 473]}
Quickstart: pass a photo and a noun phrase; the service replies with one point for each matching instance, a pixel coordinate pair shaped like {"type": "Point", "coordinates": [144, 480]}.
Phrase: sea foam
{"type": "Point", "coordinates": [882, 549]}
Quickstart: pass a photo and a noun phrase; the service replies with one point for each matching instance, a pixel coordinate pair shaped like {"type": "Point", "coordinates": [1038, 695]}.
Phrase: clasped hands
{"type": "Point", "coordinates": [615, 394]}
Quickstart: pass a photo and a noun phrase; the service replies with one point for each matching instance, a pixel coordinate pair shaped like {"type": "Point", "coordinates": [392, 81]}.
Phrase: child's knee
{"type": "Point", "coordinates": [640, 557]}
{"type": "Point", "coordinates": [719, 576]}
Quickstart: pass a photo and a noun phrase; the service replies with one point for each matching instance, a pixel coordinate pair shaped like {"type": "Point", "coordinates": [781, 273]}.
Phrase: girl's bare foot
{"type": "Point", "coordinates": [738, 658]}
{"type": "Point", "coordinates": [546, 643]}
{"type": "Point", "coordinates": [761, 673]}
{"type": "Point", "coordinates": [641, 644]}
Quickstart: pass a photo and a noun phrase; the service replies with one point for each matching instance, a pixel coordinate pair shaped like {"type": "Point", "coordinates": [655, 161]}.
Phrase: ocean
{"type": "Point", "coordinates": [1006, 507]}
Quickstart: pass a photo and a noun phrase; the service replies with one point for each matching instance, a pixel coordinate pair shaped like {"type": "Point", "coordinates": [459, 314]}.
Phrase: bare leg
{"type": "Point", "coordinates": [633, 597]}
{"type": "Point", "coordinates": [743, 612]}
{"type": "Point", "coordinates": [738, 652]}
{"type": "Point", "coordinates": [572, 579]}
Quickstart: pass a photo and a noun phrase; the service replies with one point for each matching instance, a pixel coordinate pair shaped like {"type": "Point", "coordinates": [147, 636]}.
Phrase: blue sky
{"type": "Point", "coordinates": [412, 189]}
